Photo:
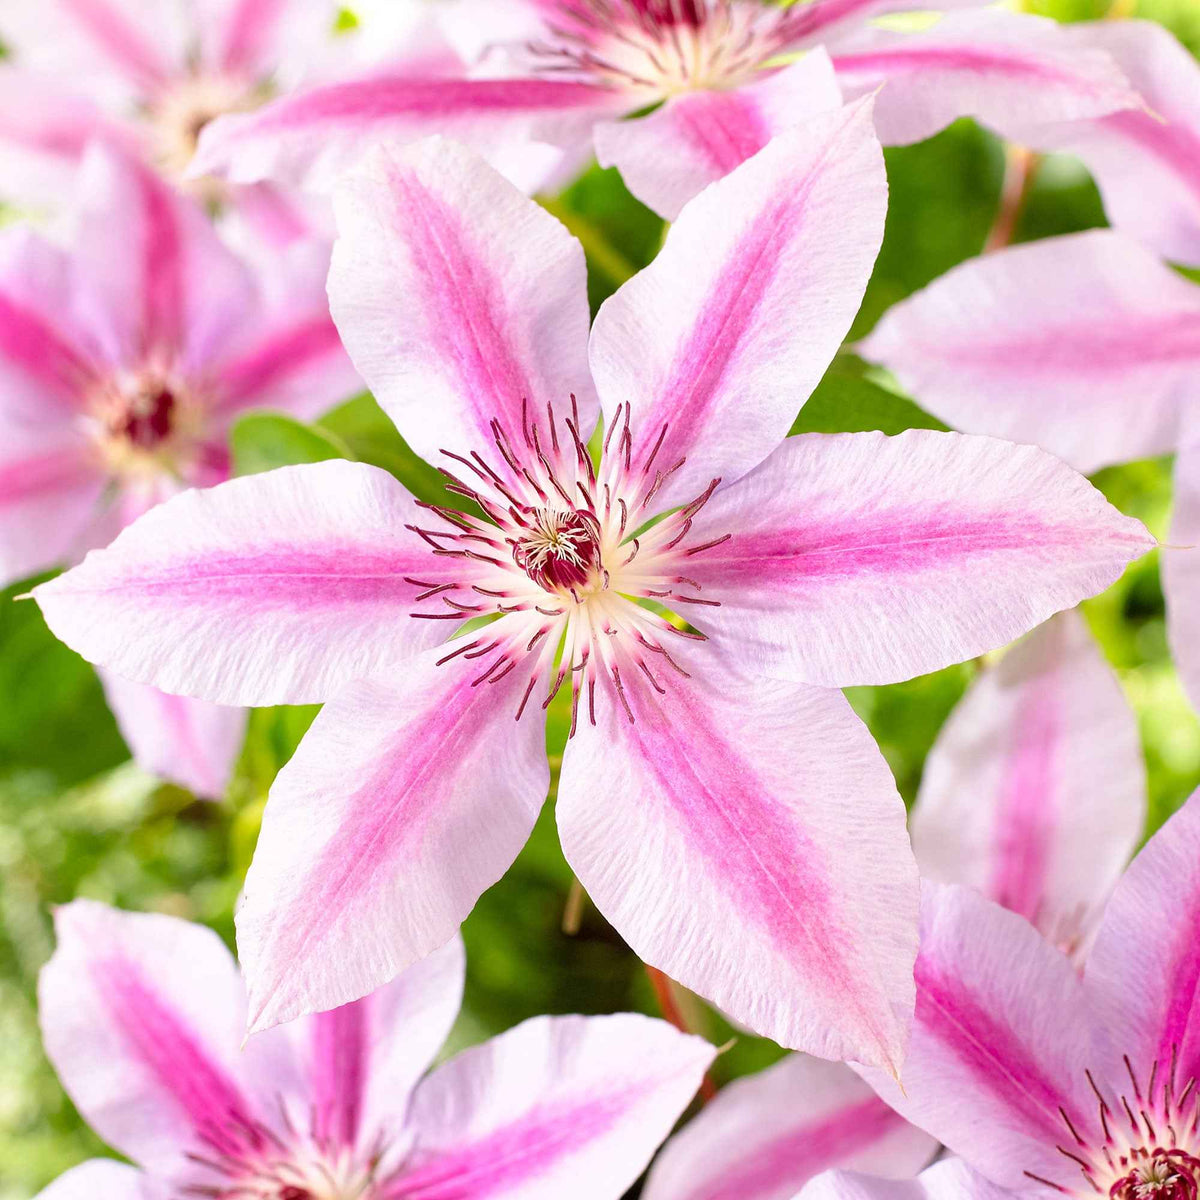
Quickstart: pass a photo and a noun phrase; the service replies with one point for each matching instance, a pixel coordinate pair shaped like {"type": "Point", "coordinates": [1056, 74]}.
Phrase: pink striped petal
{"type": "Point", "coordinates": [698, 137]}
{"type": "Point", "coordinates": [155, 273]}
{"type": "Point", "coordinates": [365, 1058]}
{"type": "Point", "coordinates": [858, 558]}
{"type": "Point", "coordinates": [1181, 572]}
{"type": "Point", "coordinates": [188, 742]}
{"type": "Point", "coordinates": [722, 338]}
{"type": "Point", "coordinates": [313, 138]}
{"type": "Point", "coordinates": [773, 802]}
{"type": "Point", "coordinates": [1013, 72]}
{"type": "Point", "coordinates": [558, 1106]}
{"type": "Point", "coordinates": [48, 357]}
{"type": "Point", "coordinates": [458, 298]}
{"type": "Point", "coordinates": [50, 492]}
{"type": "Point", "coordinates": [950, 1179]}
{"type": "Point", "coordinates": [103, 1178]}
{"type": "Point", "coordinates": [254, 38]}
{"type": "Point", "coordinates": [272, 589]}
{"type": "Point", "coordinates": [117, 51]}
{"type": "Point", "coordinates": [1143, 973]}
{"type": "Point", "coordinates": [1146, 163]}
{"type": "Point", "coordinates": [291, 358]}
{"type": "Point", "coordinates": [766, 1135]}
{"type": "Point", "coordinates": [404, 802]}
{"type": "Point", "coordinates": [1001, 1042]}
{"type": "Point", "coordinates": [142, 1016]}
{"type": "Point", "coordinates": [828, 19]}
{"type": "Point", "coordinates": [1035, 791]}
{"type": "Point", "coordinates": [44, 129]}
{"type": "Point", "coordinates": [1086, 345]}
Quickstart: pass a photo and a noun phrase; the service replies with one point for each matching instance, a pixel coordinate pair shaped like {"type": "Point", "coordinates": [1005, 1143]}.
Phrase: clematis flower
{"type": "Point", "coordinates": [700, 593]}
{"type": "Point", "coordinates": [123, 362]}
{"type": "Point", "coordinates": [723, 72]}
{"type": "Point", "coordinates": [142, 1015]}
{"type": "Point", "coordinates": [763, 1136]}
{"type": "Point", "coordinates": [148, 75]}
{"type": "Point", "coordinates": [1051, 1084]}
{"type": "Point", "coordinates": [950, 1179]}
{"type": "Point", "coordinates": [1035, 791]}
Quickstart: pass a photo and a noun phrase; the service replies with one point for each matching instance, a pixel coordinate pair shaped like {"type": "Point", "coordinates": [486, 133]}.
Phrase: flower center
{"type": "Point", "coordinates": [144, 423]}
{"type": "Point", "coordinates": [662, 46]}
{"type": "Point", "coordinates": [180, 114]}
{"type": "Point", "coordinates": [1146, 1145]}
{"type": "Point", "coordinates": [585, 576]}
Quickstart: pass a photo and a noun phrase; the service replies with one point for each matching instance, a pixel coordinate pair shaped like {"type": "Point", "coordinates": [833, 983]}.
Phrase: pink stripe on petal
{"type": "Point", "coordinates": [339, 1071]}
{"type": "Point", "coordinates": [731, 784]}
{"type": "Point", "coordinates": [250, 26]}
{"type": "Point", "coordinates": [267, 365]}
{"type": "Point", "coordinates": [372, 852]}
{"type": "Point", "coordinates": [29, 343]}
{"type": "Point", "coordinates": [158, 1038]}
{"type": "Point", "coordinates": [162, 266]}
{"type": "Point", "coordinates": [724, 335]}
{"type": "Point", "coordinates": [458, 299]}
{"type": "Point", "coordinates": [56, 470]}
{"type": "Point", "coordinates": [123, 44]}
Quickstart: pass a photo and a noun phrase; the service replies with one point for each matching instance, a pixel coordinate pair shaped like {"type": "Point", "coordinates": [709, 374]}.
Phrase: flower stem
{"type": "Point", "coordinates": [1020, 171]}
{"type": "Point", "coordinates": [668, 1003]}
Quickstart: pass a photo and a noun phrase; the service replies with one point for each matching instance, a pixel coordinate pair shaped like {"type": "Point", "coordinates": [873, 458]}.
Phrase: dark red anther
{"type": "Point", "coordinates": [147, 419]}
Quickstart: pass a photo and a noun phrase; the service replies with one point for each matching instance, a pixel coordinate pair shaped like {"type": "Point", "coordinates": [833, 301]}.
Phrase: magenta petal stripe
{"type": "Point", "coordinates": [340, 1040]}
{"type": "Point", "coordinates": [29, 343]}
{"type": "Point", "coordinates": [248, 28]}
{"type": "Point", "coordinates": [284, 352]}
{"type": "Point", "coordinates": [123, 44]}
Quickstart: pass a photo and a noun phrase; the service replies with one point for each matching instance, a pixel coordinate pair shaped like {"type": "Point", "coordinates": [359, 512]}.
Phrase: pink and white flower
{"type": "Point", "coordinates": [1052, 1084]}
{"type": "Point", "coordinates": [142, 1016]}
{"type": "Point", "coordinates": [700, 593]}
{"type": "Point", "coordinates": [123, 362]}
{"type": "Point", "coordinates": [1035, 791]}
{"type": "Point", "coordinates": [723, 72]}
{"type": "Point", "coordinates": [764, 1136]}
{"type": "Point", "coordinates": [149, 75]}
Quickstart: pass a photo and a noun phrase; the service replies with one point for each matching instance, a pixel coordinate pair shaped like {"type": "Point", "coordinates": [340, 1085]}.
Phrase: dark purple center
{"type": "Point", "coordinates": [147, 420]}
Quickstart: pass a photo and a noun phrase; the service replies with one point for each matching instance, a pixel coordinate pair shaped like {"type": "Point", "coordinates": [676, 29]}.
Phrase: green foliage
{"type": "Point", "coordinates": [262, 441]}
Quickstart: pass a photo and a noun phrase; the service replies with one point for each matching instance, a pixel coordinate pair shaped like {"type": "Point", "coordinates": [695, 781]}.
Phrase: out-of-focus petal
{"type": "Point", "coordinates": [1143, 973]}
{"type": "Point", "coordinates": [723, 337]}
{"type": "Point", "coordinates": [1035, 791]}
{"type": "Point", "coordinates": [698, 137]}
{"type": "Point", "coordinates": [1085, 345]}
{"type": "Point", "coordinates": [189, 742]}
{"type": "Point", "coordinates": [272, 589]}
{"type": "Point", "coordinates": [771, 800]}
{"type": "Point", "coordinates": [365, 1058]}
{"type": "Point", "coordinates": [155, 276]}
{"type": "Point", "coordinates": [559, 1106]}
{"type": "Point", "coordinates": [858, 558]}
{"type": "Point", "coordinates": [315, 137]}
{"type": "Point", "coordinates": [1001, 1042]}
{"type": "Point", "coordinates": [1013, 72]}
{"type": "Point", "coordinates": [403, 803]}
{"type": "Point", "coordinates": [1146, 163]}
{"type": "Point", "coordinates": [142, 1016]}
{"type": "Point", "coordinates": [766, 1135]}
{"type": "Point", "coordinates": [460, 300]}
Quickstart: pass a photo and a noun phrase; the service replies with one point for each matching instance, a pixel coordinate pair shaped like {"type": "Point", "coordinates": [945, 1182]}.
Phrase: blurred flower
{"type": "Point", "coordinates": [1043, 1081]}
{"type": "Point", "coordinates": [142, 1016]}
{"type": "Point", "coordinates": [149, 75]}
{"type": "Point", "coordinates": [123, 362]}
{"type": "Point", "coordinates": [724, 72]}
{"type": "Point", "coordinates": [735, 822]}
{"type": "Point", "coordinates": [1035, 791]}
{"type": "Point", "coordinates": [1089, 345]}
{"type": "Point", "coordinates": [766, 1135]}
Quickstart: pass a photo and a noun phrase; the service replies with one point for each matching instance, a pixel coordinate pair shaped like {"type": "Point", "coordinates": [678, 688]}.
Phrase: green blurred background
{"type": "Point", "coordinates": [77, 818]}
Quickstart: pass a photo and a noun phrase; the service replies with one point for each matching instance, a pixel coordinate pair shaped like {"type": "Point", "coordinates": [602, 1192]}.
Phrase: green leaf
{"type": "Point", "coordinates": [847, 402]}
{"type": "Point", "coordinates": [262, 441]}
{"type": "Point", "coordinates": [369, 436]}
